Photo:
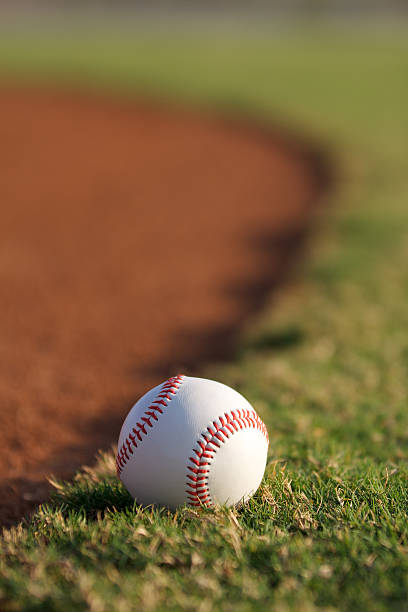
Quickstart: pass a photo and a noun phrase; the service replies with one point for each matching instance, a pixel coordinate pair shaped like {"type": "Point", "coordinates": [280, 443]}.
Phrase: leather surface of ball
{"type": "Point", "coordinates": [192, 441]}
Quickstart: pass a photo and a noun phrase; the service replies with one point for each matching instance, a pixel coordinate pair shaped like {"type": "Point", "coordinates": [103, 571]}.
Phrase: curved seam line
{"type": "Point", "coordinates": [156, 408]}
{"type": "Point", "coordinates": [198, 466]}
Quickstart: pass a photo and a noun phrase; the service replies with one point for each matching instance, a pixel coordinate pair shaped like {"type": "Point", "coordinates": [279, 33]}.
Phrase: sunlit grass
{"type": "Point", "coordinates": [328, 532]}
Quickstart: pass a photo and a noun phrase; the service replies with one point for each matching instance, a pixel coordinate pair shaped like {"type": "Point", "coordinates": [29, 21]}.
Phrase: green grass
{"type": "Point", "coordinates": [326, 365]}
{"type": "Point", "coordinates": [324, 532]}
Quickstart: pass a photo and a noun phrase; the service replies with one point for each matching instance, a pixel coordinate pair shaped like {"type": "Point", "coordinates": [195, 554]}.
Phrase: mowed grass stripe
{"type": "Point", "coordinates": [326, 367]}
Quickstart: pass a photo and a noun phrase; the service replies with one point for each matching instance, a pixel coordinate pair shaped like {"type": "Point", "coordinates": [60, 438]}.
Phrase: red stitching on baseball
{"type": "Point", "coordinates": [197, 492]}
{"type": "Point", "coordinates": [168, 389]}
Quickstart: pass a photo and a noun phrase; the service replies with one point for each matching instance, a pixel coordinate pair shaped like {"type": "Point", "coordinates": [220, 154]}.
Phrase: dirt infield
{"type": "Point", "coordinates": [134, 241]}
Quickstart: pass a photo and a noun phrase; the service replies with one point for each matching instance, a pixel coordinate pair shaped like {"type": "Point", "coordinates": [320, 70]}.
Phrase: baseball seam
{"type": "Point", "coordinates": [210, 441]}
{"type": "Point", "coordinates": [166, 393]}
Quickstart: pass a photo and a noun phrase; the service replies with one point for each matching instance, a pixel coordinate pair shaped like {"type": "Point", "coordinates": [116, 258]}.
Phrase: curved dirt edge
{"type": "Point", "coordinates": [120, 266]}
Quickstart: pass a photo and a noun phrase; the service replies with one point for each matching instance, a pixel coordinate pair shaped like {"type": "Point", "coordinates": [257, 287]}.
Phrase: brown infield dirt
{"type": "Point", "coordinates": [134, 242]}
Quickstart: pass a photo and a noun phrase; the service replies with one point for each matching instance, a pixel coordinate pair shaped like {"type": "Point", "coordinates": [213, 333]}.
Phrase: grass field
{"type": "Point", "coordinates": [326, 367]}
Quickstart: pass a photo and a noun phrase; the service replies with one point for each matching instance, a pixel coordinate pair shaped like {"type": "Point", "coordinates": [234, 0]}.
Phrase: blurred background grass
{"type": "Point", "coordinates": [326, 366]}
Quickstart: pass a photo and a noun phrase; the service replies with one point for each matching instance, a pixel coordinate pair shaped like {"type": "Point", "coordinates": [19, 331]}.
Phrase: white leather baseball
{"type": "Point", "coordinates": [192, 441]}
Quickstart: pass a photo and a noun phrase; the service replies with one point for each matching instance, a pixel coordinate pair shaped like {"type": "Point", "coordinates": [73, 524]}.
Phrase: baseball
{"type": "Point", "coordinates": [192, 441]}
